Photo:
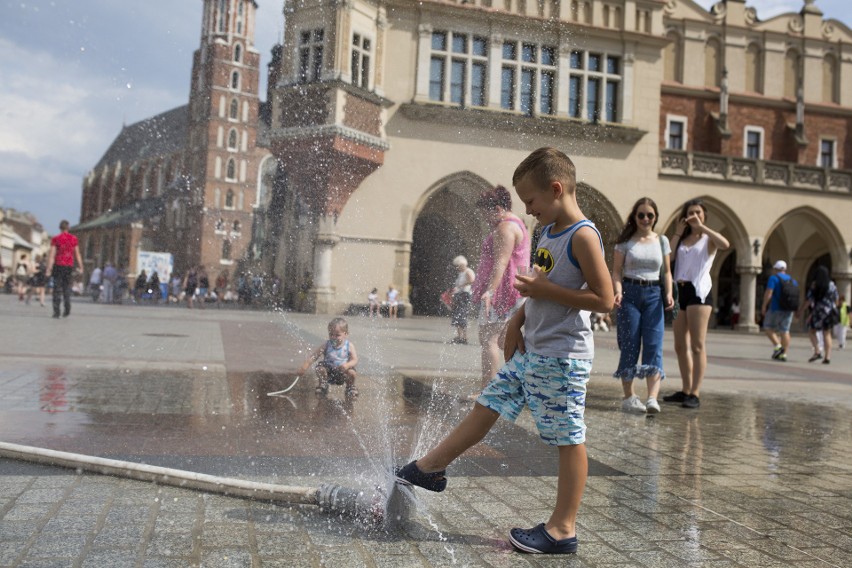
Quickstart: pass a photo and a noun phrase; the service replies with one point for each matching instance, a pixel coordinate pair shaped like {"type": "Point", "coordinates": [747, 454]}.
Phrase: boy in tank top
{"type": "Point", "coordinates": [549, 349]}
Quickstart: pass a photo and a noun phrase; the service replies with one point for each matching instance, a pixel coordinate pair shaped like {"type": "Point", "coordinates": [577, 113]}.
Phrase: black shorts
{"type": "Point", "coordinates": [460, 310]}
{"type": "Point", "coordinates": [687, 297]}
{"type": "Point", "coordinates": [334, 375]}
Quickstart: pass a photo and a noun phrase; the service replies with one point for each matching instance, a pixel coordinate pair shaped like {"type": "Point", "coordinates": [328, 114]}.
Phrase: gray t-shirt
{"type": "Point", "coordinates": [643, 261]}
{"type": "Point", "coordinates": [551, 329]}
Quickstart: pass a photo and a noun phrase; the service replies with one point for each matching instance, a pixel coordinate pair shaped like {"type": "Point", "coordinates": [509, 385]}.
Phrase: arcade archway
{"type": "Point", "coordinates": [446, 226]}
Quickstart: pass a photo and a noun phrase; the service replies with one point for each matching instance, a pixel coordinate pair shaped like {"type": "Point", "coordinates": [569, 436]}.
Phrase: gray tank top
{"type": "Point", "coordinates": [551, 329]}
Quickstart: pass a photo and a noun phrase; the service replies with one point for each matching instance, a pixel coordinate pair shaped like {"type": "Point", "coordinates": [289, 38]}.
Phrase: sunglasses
{"type": "Point", "coordinates": [641, 216]}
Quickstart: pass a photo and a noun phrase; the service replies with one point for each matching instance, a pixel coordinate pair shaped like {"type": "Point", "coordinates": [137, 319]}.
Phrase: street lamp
{"type": "Point", "coordinates": [756, 247]}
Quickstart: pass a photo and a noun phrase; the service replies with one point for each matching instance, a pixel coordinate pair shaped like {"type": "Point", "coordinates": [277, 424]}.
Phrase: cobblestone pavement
{"type": "Point", "coordinates": [758, 476]}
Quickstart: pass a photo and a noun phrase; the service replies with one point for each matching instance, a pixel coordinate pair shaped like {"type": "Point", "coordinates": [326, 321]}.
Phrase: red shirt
{"type": "Point", "coordinates": [65, 244]}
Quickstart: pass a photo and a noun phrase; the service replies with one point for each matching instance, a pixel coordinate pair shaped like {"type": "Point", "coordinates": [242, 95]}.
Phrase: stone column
{"type": "Point", "coordinates": [748, 307]}
{"type": "Point", "coordinates": [402, 274]}
{"type": "Point", "coordinates": [322, 294]}
{"type": "Point", "coordinates": [843, 280]}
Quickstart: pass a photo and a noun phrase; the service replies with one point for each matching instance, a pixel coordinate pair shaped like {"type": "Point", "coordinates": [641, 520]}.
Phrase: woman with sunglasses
{"type": "Point", "coordinates": [641, 258]}
{"type": "Point", "coordinates": [695, 245]}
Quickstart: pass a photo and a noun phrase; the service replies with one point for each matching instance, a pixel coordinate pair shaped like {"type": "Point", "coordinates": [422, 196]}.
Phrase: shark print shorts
{"type": "Point", "coordinates": [552, 387]}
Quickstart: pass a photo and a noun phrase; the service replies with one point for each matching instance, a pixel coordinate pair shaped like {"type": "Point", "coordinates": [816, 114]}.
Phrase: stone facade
{"type": "Point", "coordinates": [465, 90]}
{"type": "Point", "coordinates": [384, 120]}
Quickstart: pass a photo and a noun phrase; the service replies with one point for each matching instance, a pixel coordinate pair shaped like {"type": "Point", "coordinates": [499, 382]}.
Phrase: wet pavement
{"type": "Point", "coordinates": [759, 476]}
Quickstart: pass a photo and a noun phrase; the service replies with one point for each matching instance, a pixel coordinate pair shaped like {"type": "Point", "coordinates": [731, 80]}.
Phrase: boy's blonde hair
{"type": "Point", "coordinates": [459, 261]}
{"type": "Point", "coordinates": [339, 322]}
{"type": "Point", "coordinates": [546, 165]}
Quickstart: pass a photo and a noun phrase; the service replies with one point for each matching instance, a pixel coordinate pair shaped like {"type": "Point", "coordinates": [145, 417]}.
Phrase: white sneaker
{"type": "Point", "coordinates": [652, 406]}
{"type": "Point", "coordinates": [633, 404]}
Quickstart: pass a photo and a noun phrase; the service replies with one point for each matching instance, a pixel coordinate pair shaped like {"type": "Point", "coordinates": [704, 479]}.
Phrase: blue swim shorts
{"type": "Point", "coordinates": [552, 387]}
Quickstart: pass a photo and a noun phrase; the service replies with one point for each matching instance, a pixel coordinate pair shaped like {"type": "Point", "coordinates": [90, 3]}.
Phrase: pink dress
{"type": "Point", "coordinates": [505, 296]}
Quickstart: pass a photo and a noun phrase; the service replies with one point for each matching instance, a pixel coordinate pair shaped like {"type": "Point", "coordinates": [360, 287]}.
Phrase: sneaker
{"type": "Point", "coordinates": [410, 474]}
{"type": "Point", "coordinates": [633, 405]}
{"type": "Point", "coordinates": [782, 358]}
{"type": "Point", "coordinates": [691, 401]}
{"type": "Point", "coordinates": [538, 541]}
{"type": "Point", "coordinates": [815, 357]}
{"type": "Point", "coordinates": [777, 352]}
{"type": "Point", "coordinates": [679, 396]}
{"type": "Point", "coordinates": [652, 406]}
{"type": "Point", "coordinates": [826, 361]}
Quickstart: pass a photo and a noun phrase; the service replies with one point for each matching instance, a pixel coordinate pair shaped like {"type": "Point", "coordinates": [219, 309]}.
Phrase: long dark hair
{"type": "Point", "coordinates": [685, 209]}
{"type": "Point", "coordinates": [630, 227]}
{"type": "Point", "coordinates": [821, 282]}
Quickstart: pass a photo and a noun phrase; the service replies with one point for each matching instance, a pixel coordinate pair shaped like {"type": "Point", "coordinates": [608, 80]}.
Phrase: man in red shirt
{"type": "Point", "coordinates": [60, 265]}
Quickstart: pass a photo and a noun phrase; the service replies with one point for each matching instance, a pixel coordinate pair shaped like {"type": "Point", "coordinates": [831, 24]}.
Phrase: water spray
{"type": "Point", "coordinates": [383, 508]}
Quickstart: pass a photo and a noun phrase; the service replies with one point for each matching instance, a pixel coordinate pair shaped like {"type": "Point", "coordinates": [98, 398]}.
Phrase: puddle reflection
{"type": "Point", "coordinates": [53, 392]}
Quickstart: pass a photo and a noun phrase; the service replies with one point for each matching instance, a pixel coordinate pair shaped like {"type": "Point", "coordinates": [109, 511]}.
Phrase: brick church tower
{"type": "Point", "coordinates": [223, 157]}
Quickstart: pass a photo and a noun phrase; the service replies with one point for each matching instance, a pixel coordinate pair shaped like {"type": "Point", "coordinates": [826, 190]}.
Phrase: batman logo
{"type": "Point", "coordinates": [544, 260]}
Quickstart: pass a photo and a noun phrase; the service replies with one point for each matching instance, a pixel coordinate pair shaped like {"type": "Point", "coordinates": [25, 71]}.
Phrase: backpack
{"type": "Point", "coordinates": [788, 298]}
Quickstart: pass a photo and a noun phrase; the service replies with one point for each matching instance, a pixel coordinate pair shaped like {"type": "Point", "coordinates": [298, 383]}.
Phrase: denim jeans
{"type": "Point", "coordinates": [640, 328]}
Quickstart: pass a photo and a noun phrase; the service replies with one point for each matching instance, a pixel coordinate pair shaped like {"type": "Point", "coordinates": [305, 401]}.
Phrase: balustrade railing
{"type": "Point", "coordinates": [745, 170]}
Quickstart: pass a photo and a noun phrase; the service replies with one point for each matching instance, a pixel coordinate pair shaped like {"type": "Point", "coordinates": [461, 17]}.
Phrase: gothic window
{"type": "Point", "coordinates": [229, 199]}
{"type": "Point", "coordinates": [226, 250]}
{"type": "Point", "coordinates": [240, 18]}
{"type": "Point", "coordinates": [234, 111]}
{"type": "Point", "coordinates": [231, 170]}
{"type": "Point", "coordinates": [463, 59]}
{"type": "Point", "coordinates": [830, 90]}
{"type": "Point", "coordinates": [232, 139]}
{"type": "Point", "coordinates": [673, 58]}
{"type": "Point", "coordinates": [594, 86]}
{"type": "Point", "coordinates": [676, 135]}
{"type": "Point", "coordinates": [528, 72]}
{"type": "Point", "coordinates": [753, 138]}
{"type": "Point", "coordinates": [791, 73]}
{"type": "Point", "coordinates": [223, 13]}
{"type": "Point", "coordinates": [754, 69]}
{"type": "Point", "coordinates": [238, 50]}
{"type": "Point", "coordinates": [236, 227]}
{"type": "Point", "coordinates": [827, 153]}
{"type": "Point", "coordinates": [361, 49]}
{"type": "Point", "coordinates": [712, 63]}
{"type": "Point", "coordinates": [220, 224]}
{"type": "Point", "coordinates": [235, 80]}
{"type": "Point", "coordinates": [310, 55]}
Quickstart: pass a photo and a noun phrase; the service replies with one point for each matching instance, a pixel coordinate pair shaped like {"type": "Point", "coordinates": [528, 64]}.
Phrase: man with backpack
{"type": "Point", "coordinates": [780, 302]}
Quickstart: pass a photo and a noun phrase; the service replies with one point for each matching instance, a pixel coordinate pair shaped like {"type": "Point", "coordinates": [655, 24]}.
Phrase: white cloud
{"type": "Point", "coordinates": [58, 119]}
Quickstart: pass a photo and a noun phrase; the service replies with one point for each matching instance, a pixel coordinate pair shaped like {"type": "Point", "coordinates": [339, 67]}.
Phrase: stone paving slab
{"type": "Point", "coordinates": [759, 476]}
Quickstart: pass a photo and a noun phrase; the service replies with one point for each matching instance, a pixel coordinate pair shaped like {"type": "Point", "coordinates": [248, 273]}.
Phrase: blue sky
{"type": "Point", "coordinates": [73, 71]}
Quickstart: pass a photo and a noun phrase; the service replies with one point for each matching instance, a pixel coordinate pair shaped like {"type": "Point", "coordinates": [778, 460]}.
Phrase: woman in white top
{"type": "Point", "coordinates": [695, 245]}
{"type": "Point", "coordinates": [641, 259]}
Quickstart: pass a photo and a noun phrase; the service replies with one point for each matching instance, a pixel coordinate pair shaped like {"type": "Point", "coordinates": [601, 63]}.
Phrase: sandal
{"type": "Point", "coordinates": [412, 475]}
{"type": "Point", "coordinates": [538, 541]}
{"type": "Point", "coordinates": [814, 357]}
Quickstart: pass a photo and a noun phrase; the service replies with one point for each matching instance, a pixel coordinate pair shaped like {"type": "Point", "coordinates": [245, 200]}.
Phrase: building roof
{"type": "Point", "coordinates": [17, 240]}
{"type": "Point", "coordinates": [137, 211]}
{"type": "Point", "coordinates": [160, 135]}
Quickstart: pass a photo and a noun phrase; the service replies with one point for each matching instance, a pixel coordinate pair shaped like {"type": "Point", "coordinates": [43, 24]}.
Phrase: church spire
{"type": "Point", "coordinates": [229, 20]}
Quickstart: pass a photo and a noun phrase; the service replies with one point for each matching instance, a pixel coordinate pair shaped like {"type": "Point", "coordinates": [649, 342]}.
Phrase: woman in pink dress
{"type": "Point", "coordinates": [505, 249]}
